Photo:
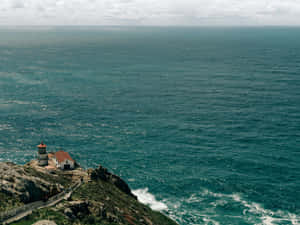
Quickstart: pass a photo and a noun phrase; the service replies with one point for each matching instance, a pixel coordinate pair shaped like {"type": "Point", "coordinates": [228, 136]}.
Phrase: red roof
{"type": "Point", "coordinates": [42, 145]}
{"type": "Point", "coordinates": [62, 156]}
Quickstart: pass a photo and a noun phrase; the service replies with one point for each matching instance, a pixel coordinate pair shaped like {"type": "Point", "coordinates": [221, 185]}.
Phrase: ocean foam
{"type": "Point", "coordinates": [5, 127]}
{"type": "Point", "coordinates": [210, 203]}
{"type": "Point", "coordinates": [268, 217]}
{"type": "Point", "coordinates": [210, 221]}
{"type": "Point", "coordinates": [147, 198]}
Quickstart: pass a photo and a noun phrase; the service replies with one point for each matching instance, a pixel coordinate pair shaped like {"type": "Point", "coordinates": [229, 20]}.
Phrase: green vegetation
{"type": "Point", "coordinates": [104, 204]}
{"type": "Point", "coordinates": [104, 199]}
{"type": "Point", "coordinates": [41, 214]}
{"type": "Point", "coordinates": [8, 202]}
{"type": "Point", "coordinates": [59, 218]}
{"type": "Point", "coordinates": [127, 209]}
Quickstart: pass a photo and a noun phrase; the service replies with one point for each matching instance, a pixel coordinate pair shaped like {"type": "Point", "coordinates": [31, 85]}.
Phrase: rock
{"type": "Point", "coordinates": [69, 213]}
{"type": "Point", "coordinates": [100, 173]}
{"type": "Point", "coordinates": [112, 218]}
{"type": "Point", "coordinates": [44, 222]}
{"type": "Point", "coordinates": [103, 174]}
{"type": "Point", "coordinates": [148, 221]}
{"type": "Point", "coordinates": [97, 202]}
{"type": "Point", "coordinates": [99, 209]}
{"type": "Point", "coordinates": [77, 209]}
{"type": "Point", "coordinates": [16, 181]}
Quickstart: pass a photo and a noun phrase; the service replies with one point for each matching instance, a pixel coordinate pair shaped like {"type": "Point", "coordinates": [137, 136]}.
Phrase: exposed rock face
{"type": "Point", "coordinates": [17, 182]}
{"type": "Point", "coordinates": [103, 174]}
{"type": "Point", "coordinates": [77, 209]}
{"type": "Point", "coordinates": [101, 198]}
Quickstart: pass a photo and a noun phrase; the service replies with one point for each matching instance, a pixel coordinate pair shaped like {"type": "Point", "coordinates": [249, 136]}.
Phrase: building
{"type": "Point", "coordinates": [63, 160]}
{"type": "Point", "coordinates": [42, 155]}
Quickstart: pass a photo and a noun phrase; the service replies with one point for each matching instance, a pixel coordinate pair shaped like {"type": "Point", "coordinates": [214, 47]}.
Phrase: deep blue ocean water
{"type": "Point", "coordinates": [203, 123]}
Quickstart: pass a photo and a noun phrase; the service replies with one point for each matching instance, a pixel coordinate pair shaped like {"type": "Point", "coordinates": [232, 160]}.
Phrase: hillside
{"type": "Point", "coordinates": [101, 197]}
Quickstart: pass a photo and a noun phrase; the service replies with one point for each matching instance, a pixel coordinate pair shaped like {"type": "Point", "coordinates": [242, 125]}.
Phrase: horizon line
{"type": "Point", "coordinates": [158, 26]}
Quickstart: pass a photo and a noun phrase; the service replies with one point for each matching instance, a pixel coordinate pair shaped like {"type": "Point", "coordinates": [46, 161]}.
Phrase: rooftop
{"type": "Point", "coordinates": [42, 145]}
{"type": "Point", "coordinates": [62, 156]}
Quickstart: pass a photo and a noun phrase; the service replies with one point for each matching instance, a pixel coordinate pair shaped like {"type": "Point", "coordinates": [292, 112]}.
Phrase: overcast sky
{"type": "Point", "coordinates": [150, 12]}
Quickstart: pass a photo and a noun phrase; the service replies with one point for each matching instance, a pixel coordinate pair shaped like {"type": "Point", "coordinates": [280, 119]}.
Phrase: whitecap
{"type": "Point", "coordinates": [145, 197]}
{"type": "Point", "coordinates": [5, 127]}
{"type": "Point", "coordinates": [210, 221]}
{"type": "Point", "coordinates": [210, 202]}
{"type": "Point", "coordinates": [267, 216]}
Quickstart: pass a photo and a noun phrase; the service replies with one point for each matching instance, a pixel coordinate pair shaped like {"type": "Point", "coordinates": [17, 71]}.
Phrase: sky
{"type": "Point", "coordinates": [150, 12]}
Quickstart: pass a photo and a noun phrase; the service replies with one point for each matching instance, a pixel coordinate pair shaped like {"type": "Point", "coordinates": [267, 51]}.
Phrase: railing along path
{"type": "Point", "coordinates": [10, 215]}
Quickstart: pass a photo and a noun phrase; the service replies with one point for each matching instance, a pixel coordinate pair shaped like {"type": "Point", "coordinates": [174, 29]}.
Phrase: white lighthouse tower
{"type": "Point", "coordinates": [42, 155]}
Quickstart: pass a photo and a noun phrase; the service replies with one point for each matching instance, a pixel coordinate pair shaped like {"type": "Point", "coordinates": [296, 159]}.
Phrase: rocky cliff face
{"type": "Point", "coordinates": [102, 198]}
{"type": "Point", "coordinates": [103, 174]}
{"type": "Point", "coordinates": [26, 184]}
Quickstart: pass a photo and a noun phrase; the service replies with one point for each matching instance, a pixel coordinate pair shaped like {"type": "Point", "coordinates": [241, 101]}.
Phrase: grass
{"type": "Point", "coordinates": [59, 218]}
{"type": "Point", "coordinates": [8, 202]}
{"type": "Point", "coordinates": [44, 214]}
{"type": "Point", "coordinates": [107, 205]}
{"type": "Point", "coordinates": [133, 211]}
{"type": "Point", "coordinates": [99, 194]}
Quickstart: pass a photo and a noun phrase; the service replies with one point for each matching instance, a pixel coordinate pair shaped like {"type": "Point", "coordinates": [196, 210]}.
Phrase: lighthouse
{"type": "Point", "coordinates": [42, 155]}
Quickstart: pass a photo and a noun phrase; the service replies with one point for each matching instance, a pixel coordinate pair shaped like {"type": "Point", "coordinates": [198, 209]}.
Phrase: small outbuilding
{"type": "Point", "coordinates": [63, 160]}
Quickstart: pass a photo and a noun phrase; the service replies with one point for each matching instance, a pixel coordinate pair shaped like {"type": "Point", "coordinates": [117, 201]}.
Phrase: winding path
{"type": "Point", "coordinates": [27, 209]}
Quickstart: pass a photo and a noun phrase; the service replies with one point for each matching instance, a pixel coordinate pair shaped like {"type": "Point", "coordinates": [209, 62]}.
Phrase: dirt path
{"type": "Point", "coordinates": [39, 205]}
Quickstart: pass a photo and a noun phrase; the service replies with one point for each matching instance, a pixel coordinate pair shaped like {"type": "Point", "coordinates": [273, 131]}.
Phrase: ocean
{"type": "Point", "coordinates": [203, 123]}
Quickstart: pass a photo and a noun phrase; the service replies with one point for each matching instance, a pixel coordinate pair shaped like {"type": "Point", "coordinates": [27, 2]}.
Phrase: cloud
{"type": "Point", "coordinates": [17, 4]}
{"type": "Point", "coordinates": [150, 12]}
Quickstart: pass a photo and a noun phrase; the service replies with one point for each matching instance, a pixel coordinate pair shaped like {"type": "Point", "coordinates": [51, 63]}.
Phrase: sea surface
{"type": "Point", "coordinates": [203, 123]}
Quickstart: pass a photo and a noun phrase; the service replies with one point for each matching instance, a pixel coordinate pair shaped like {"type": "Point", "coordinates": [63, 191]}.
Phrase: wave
{"type": "Point", "coordinates": [6, 127]}
{"type": "Point", "coordinates": [145, 197]}
{"type": "Point", "coordinates": [253, 209]}
{"type": "Point", "coordinates": [267, 216]}
{"type": "Point", "coordinates": [20, 78]}
{"type": "Point", "coordinates": [207, 207]}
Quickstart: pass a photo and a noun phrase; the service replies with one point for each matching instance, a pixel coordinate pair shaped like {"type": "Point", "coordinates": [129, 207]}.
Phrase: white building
{"type": "Point", "coordinates": [63, 160]}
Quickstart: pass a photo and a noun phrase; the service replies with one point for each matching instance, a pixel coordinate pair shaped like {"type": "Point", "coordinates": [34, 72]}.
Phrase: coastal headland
{"type": "Point", "coordinates": [32, 194]}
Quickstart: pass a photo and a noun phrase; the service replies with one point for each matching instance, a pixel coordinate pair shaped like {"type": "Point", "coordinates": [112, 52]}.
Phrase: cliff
{"type": "Point", "coordinates": [100, 197]}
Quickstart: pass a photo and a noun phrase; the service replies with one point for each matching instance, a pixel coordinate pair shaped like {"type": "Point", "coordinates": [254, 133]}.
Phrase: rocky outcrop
{"type": "Point", "coordinates": [103, 174]}
{"type": "Point", "coordinates": [76, 209]}
{"type": "Point", "coordinates": [16, 181]}
{"type": "Point", "coordinates": [101, 197]}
